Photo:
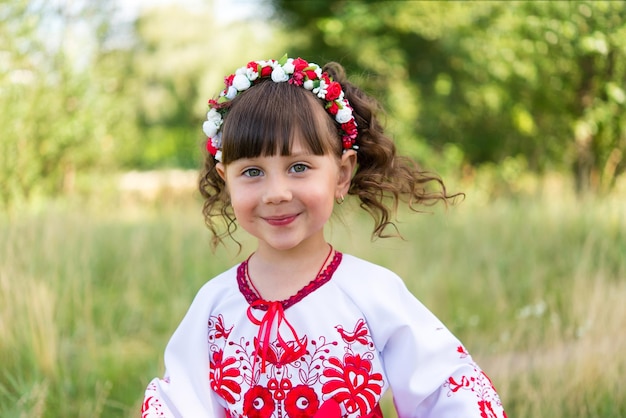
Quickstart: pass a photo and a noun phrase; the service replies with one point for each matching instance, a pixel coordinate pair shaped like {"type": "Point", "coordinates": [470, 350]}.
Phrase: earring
{"type": "Point", "coordinates": [340, 200]}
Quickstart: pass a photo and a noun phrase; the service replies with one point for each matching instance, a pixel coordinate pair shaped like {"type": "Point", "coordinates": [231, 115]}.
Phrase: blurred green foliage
{"type": "Point", "coordinates": [466, 85]}
{"type": "Point", "coordinates": [543, 81]}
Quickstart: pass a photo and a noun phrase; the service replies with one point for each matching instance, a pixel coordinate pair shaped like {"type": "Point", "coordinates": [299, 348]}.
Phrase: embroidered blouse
{"type": "Point", "coordinates": [331, 350]}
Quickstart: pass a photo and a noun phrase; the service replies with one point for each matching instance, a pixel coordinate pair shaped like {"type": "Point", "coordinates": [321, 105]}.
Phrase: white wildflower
{"type": "Point", "coordinates": [209, 128]}
{"type": "Point", "coordinates": [278, 75]}
{"type": "Point", "coordinates": [308, 85]}
{"type": "Point", "coordinates": [241, 82]}
{"type": "Point", "coordinates": [343, 115]}
{"type": "Point", "coordinates": [231, 93]}
{"type": "Point", "coordinates": [321, 90]}
{"type": "Point", "coordinates": [289, 67]}
{"type": "Point", "coordinates": [252, 74]}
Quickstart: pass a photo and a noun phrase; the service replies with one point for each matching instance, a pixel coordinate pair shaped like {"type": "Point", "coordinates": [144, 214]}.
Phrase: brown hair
{"type": "Point", "coordinates": [264, 119]}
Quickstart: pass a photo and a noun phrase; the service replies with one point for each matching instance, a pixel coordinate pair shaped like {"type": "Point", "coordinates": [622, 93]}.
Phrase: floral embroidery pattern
{"type": "Point", "coordinates": [479, 384]}
{"type": "Point", "coordinates": [152, 406]}
{"type": "Point", "coordinates": [350, 381]}
{"type": "Point", "coordinates": [258, 403]}
{"type": "Point", "coordinates": [225, 378]}
{"type": "Point", "coordinates": [301, 402]}
{"type": "Point", "coordinates": [297, 387]}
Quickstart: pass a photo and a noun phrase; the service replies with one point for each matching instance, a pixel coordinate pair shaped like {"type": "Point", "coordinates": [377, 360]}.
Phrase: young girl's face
{"type": "Point", "coordinates": [285, 200]}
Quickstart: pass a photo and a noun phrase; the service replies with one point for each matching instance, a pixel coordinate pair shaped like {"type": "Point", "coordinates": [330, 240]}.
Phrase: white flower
{"type": "Point", "coordinates": [344, 114]}
{"type": "Point", "coordinates": [278, 75]}
{"type": "Point", "coordinates": [308, 85]}
{"type": "Point", "coordinates": [321, 90]}
{"type": "Point", "coordinates": [252, 74]}
{"type": "Point", "coordinates": [214, 116]}
{"type": "Point", "coordinates": [231, 93]}
{"type": "Point", "coordinates": [209, 128]}
{"type": "Point", "coordinates": [241, 82]}
{"type": "Point", "coordinates": [288, 67]}
{"type": "Point", "coordinates": [218, 156]}
{"type": "Point", "coordinates": [212, 124]}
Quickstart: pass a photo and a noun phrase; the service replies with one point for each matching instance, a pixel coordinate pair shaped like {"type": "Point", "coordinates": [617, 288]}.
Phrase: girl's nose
{"type": "Point", "coordinates": [277, 190]}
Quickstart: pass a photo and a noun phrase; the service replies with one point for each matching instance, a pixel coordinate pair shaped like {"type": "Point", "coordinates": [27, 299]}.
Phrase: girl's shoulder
{"type": "Point", "coordinates": [370, 277]}
{"type": "Point", "coordinates": [224, 282]}
{"type": "Point", "coordinates": [366, 270]}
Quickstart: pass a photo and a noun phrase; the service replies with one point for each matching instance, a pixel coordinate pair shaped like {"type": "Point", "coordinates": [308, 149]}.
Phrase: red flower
{"type": "Point", "coordinates": [253, 66]}
{"type": "Point", "coordinates": [301, 402]}
{"type": "Point", "coordinates": [225, 376]}
{"type": "Point", "coordinates": [332, 108]}
{"type": "Point", "coordinates": [297, 78]}
{"type": "Point", "coordinates": [299, 64]}
{"type": "Point", "coordinates": [258, 403]}
{"type": "Point", "coordinates": [352, 384]}
{"type": "Point", "coordinates": [312, 75]}
{"type": "Point", "coordinates": [333, 91]}
{"type": "Point", "coordinates": [229, 80]}
{"type": "Point", "coordinates": [266, 71]}
{"type": "Point", "coordinates": [210, 148]}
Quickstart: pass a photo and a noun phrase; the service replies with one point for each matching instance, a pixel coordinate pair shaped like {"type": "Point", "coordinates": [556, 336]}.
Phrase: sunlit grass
{"type": "Point", "coordinates": [534, 288]}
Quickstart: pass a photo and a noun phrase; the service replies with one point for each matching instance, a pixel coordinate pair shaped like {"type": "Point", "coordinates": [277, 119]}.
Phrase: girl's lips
{"type": "Point", "coordinates": [280, 220]}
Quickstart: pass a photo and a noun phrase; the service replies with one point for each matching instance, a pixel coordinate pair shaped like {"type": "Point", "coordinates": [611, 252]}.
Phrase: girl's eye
{"type": "Point", "coordinates": [252, 172]}
{"type": "Point", "coordinates": [299, 168]}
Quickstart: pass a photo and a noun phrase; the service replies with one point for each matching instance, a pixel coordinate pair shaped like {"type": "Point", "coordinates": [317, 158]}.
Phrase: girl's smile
{"type": "Point", "coordinates": [280, 220]}
{"type": "Point", "coordinates": [285, 201]}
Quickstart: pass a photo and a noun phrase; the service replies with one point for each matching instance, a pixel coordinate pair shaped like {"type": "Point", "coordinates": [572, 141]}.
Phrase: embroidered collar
{"type": "Point", "coordinates": [294, 71]}
{"type": "Point", "coordinates": [291, 346]}
{"type": "Point", "coordinates": [253, 298]}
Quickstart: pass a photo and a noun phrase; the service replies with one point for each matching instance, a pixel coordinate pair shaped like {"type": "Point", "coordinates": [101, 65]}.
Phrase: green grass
{"type": "Point", "coordinates": [534, 288]}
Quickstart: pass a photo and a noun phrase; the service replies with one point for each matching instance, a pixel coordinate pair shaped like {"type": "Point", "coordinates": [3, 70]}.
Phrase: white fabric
{"type": "Point", "coordinates": [398, 343]}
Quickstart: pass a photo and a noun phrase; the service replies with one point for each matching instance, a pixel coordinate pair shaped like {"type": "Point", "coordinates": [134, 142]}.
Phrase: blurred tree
{"type": "Point", "coordinates": [541, 80]}
{"type": "Point", "coordinates": [180, 59]}
{"type": "Point", "coordinates": [59, 95]}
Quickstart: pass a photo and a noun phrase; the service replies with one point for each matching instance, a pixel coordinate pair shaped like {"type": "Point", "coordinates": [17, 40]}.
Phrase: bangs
{"type": "Point", "coordinates": [267, 118]}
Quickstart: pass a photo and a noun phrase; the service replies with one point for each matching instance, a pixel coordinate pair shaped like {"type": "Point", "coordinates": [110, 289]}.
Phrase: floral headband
{"type": "Point", "coordinates": [295, 71]}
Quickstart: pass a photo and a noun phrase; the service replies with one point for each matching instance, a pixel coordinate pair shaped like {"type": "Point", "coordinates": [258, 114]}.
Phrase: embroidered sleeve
{"type": "Point", "coordinates": [154, 405]}
{"type": "Point", "coordinates": [430, 373]}
{"type": "Point", "coordinates": [467, 392]}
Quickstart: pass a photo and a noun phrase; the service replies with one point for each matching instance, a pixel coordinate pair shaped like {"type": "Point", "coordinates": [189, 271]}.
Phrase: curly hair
{"type": "Point", "coordinates": [265, 119]}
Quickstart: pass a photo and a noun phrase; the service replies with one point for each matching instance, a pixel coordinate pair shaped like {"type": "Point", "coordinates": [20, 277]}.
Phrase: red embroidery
{"type": "Point", "coordinates": [290, 350]}
{"type": "Point", "coordinates": [479, 384]}
{"type": "Point", "coordinates": [258, 403]}
{"type": "Point", "coordinates": [359, 334]}
{"type": "Point", "coordinates": [351, 382]}
{"type": "Point", "coordinates": [224, 376]}
{"type": "Point", "coordinates": [301, 402]}
{"type": "Point", "coordinates": [218, 330]}
{"type": "Point", "coordinates": [322, 278]}
{"type": "Point", "coordinates": [152, 406]}
{"type": "Point", "coordinates": [295, 387]}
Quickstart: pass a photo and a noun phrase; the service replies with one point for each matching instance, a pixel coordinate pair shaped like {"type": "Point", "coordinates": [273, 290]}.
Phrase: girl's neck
{"type": "Point", "coordinates": [277, 275]}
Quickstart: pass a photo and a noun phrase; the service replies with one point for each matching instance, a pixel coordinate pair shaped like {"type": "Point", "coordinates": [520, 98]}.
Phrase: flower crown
{"type": "Point", "coordinates": [295, 71]}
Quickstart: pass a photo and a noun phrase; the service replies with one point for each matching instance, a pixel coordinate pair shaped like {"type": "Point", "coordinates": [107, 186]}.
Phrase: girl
{"type": "Point", "coordinates": [300, 329]}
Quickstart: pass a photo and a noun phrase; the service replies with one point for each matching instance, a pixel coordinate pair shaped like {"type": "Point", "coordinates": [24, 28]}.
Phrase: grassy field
{"type": "Point", "coordinates": [534, 288]}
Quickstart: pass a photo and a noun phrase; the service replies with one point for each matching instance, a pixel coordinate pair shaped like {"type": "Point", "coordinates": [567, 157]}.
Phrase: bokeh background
{"type": "Point", "coordinates": [520, 105]}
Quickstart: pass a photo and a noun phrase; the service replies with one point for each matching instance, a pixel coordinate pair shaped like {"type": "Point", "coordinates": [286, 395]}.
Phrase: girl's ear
{"type": "Point", "coordinates": [347, 165]}
{"type": "Point", "coordinates": [221, 170]}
